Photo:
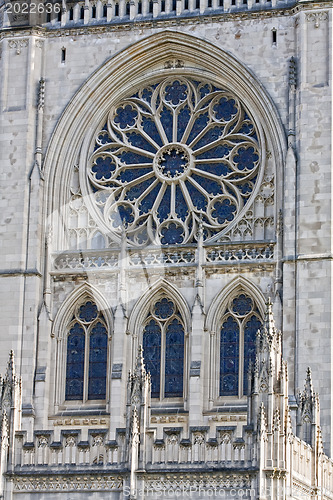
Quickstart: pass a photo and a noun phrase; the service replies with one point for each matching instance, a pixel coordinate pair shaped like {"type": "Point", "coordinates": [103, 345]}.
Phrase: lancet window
{"type": "Point", "coordinates": [164, 349]}
{"type": "Point", "coordinates": [239, 326]}
{"type": "Point", "coordinates": [86, 354]}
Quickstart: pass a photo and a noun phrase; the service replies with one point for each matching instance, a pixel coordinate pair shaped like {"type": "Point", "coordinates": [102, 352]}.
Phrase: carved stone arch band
{"type": "Point", "coordinates": [107, 86]}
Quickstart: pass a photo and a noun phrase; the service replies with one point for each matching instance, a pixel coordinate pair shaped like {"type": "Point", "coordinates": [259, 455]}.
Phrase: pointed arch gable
{"type": "Point", "coordinates": [90, 104]}
{"type": "Point", "coordinates": [218, 304]}
{"type": "Point", "coordinates": [65, 311]}
{"type": "Point", "coordinates": [141, 307]}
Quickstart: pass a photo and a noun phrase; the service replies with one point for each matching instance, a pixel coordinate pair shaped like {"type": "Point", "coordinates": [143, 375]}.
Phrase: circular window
{"type": "Point", "coordinates": [176, 154]}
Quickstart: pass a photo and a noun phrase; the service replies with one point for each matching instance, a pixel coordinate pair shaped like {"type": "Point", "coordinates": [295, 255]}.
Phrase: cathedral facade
{"type": "Point", "coordinates": [166, 242]}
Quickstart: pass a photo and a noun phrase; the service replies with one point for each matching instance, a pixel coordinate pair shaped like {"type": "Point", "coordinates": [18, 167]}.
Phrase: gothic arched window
{"type": "Point", "coordinates": [239, 326]}
{"type": "Point", "coordinates": [86, 354]}
{"type": "Point", "coordinates": [164, 349]}
{"type": "Point", "coordinates": [176, 152]}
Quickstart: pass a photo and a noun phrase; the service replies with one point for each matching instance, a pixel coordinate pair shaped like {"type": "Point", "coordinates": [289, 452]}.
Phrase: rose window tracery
{"type": "Point", "coordinates": [176, 153]}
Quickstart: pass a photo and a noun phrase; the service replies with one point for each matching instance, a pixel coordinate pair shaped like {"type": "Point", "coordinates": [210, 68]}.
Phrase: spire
{"type": "Point", "coordinates": [308, 412]}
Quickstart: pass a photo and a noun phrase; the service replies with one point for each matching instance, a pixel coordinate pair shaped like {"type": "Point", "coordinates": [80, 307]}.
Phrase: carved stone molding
{"type": "Point", "coordinates": [18, 44]}
{"type": "Point", "coordinates": [316, 17]}
{"type": "Point", "coordinates": [64, 483]}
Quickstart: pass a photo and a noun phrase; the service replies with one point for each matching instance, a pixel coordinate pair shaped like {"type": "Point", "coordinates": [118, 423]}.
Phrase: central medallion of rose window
{"type": "Point", "coordinates": [172, 162]}
{"type": "Point", "coordinates": [176, 154]}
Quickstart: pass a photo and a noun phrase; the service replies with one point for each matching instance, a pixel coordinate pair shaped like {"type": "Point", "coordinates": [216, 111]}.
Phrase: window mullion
{"type": "Point", "coordinates": [241, 358]}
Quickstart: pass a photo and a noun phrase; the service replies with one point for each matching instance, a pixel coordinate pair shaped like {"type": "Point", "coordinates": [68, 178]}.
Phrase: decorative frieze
{"type": "Point", "coordinates": [68, 483]}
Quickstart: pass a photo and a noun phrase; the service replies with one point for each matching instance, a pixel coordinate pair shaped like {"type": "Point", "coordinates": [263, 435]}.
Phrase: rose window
{"type": "Point", "coordinates": [176, 154]}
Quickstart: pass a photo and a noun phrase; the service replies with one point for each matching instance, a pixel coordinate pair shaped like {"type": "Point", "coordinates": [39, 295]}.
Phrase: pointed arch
{"type": "Point", "coordinates": [219, 302]}
{"type": "Point", "coordinates": [141, 307]}
{"type": "Point", "coordinates": [109, 83]}
{"type": "Point", "coordinates": [84, 291]}
{"type": "Point", "coordinates": [82, 353]}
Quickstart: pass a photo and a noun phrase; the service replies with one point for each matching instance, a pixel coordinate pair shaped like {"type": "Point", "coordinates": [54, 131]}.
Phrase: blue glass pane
{"type": "Point", "coordinates": [140, 142]}
{"type": "Point", "coordinates": [164, 308]}
{"type": "Point", "coordinates": [183, 119]}
{"type": "Point", "coordinates": [135, 191]}
{"type": "Point", "coordinates": [172, 234]}
{"type": "Point", "coordinates": [150, 128]}
{"type": "Point", "coordinates": [223, 211]}
{"type": "Point", "coordinates": [174, 359]}
{"type": "Point", "coordinates": [152, 355]}
{"type": "Point", "coordinates": [229, 358]}
{"type": "Point", "coordinates": [75, 363]}
{"type": "Point", "coordinates": [216, 152]}
{"type": "Point", "coordinates": [164, 206]}
{"type": "Point", "coordinates": [242, 305]}
{"type": "Point", "coordinates": [250, 331]}
{"type": "Point", "coordinates": [225, 109]}
{"type": "Point", "coordinates": [88, 312]}
{"type": "Point", "coordinates": [148, 201]}
{"type": "Point", "coordinates": [126, 116]}
{"type": "Point", "coordinates": [212, 187]}
{"type": "Point", "coordinates": [129, 175]}
{"type": "Point", "coordinates": [131, 158]}
{"type": "Point", "coordinates": [198, 199]}
{"type": "Point", "coordinates": [103, 168]}
{"type": "Point", "coordinates": [246, 158]}
{"type": "Point", "coordinates": [220, 169]}
{"type": "Point", "coordinates": [122, 216]}
{"type": "Point", "coordinates": [167, 122]}
{"type": "Point", "coordinates": [176, 92]}
{"type": "Point", "coordinates": [97, 362]}
{"type": "Point", "coordinates": [198, 126]}
{"type": "Point", "coordinates": [180, 204]}
{"type": "Point", "coordinates": [210, 136]}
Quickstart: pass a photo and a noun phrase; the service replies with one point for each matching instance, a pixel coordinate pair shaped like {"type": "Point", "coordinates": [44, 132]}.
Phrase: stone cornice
{"type": "Point", "coordinates": [158, 23]}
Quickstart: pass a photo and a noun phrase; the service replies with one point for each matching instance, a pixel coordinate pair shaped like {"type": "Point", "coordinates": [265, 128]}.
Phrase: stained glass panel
{"type": "Point", "coordinates": [75, 363]}
{"type": "Point", "coordinates": [229, 357]}
{"type": "Point", "coordinates": [174, 359]}
{"type": "Point", "coordinates": [97, 362]}
{"type": "Point", "coordinates": [152, 355]}
{"type": "Point", "coordinates": [250, 331]}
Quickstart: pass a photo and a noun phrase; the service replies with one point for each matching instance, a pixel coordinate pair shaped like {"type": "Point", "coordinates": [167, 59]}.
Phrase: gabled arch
{"type": "Point", "coordinates": [109, 83]}
{"type": "Point", "coordinates": [85, 291]}
{"type": "Point", "coordinates": [218, 304]}
{"type": "Point", "coordinates": [141, 308]}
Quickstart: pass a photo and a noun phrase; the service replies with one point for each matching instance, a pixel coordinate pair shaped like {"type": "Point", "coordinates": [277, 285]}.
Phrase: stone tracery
{"type": "Point", "coordinates": [176, 152]}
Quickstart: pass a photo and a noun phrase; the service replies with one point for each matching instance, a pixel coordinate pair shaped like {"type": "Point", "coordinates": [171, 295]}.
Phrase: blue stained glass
{"type": "Point", "coordinates": [246, 189]}
{"type": "Point", "coordinates": [174, 359]}
{"type": "Point", "coordinates": [126, 116]}
{"type": "Point", "coordinates": [250, 331]}
{"type": "Point", "coordinates": [167, 122]}
{"type": "Point", "coordinates": [225, 109]}
{"type": "Point", "coordinates": [172, 234]}
{"type": "Point", "coordinates": [152, 355]}
{"type": "Point", "coordinates": [164, 308]}
{"type": "Point", "coordinates": [204, 90]}
{"type": "Point", "coordinates": [97, 362]}
{"type": "Point", "coordinates": [176, 92]}
{"type": "Point", "coordinates": [103, 137]}
{"type": "Point", "coordinates": [147, 203]}
{"type": "Point", "coordinates": [140, 142]}
{"type": "Point", "coordinates": [122, 216]}
{"type": "Point", "coordinates": [242, 305]}
{"type": "Point", "coordinates": [150, 128]}
{"type": "Point", "coordinates": [173, 163]}
{"type": "Point", "coordinates": [164, 206]}
{"type": "Point", "coordinates": [210, 136]}
{"type": "Point", "coordinates": [246, 128]}
{"type": "Point", "coordinates": [131, 158]}
{"type": "Point", "coordinates": [220, 169]}
{"type": "Point", "coordinates": [136, 190]}
{"type": "Point", "coordinates": [198, 199]}
{"type": "Point", "coordinates": [220, 151]}
{"type": "Point", "coordinates": [183, 119]}
{"type": "Point", "coordinates": [198, 126]}
{"type": "Point", "coordinates": [75, 363]}
{"type": "Point", "coordinates": [229, 357]}
{"type": "Point", "coordinates": [103, 168]}
{"type": "Point", "coordinates": [88, 312]}
{"type": "Point", "coordinates": [212, 187]}
{"type": "Point", "coordinates": [180, 204]}
{"type": "Point", "coordinates": [223, 211]}
{"type": "Point", "coordinates": [129, 174]}
{"type": "Point", "coordinates": [246, 158]}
